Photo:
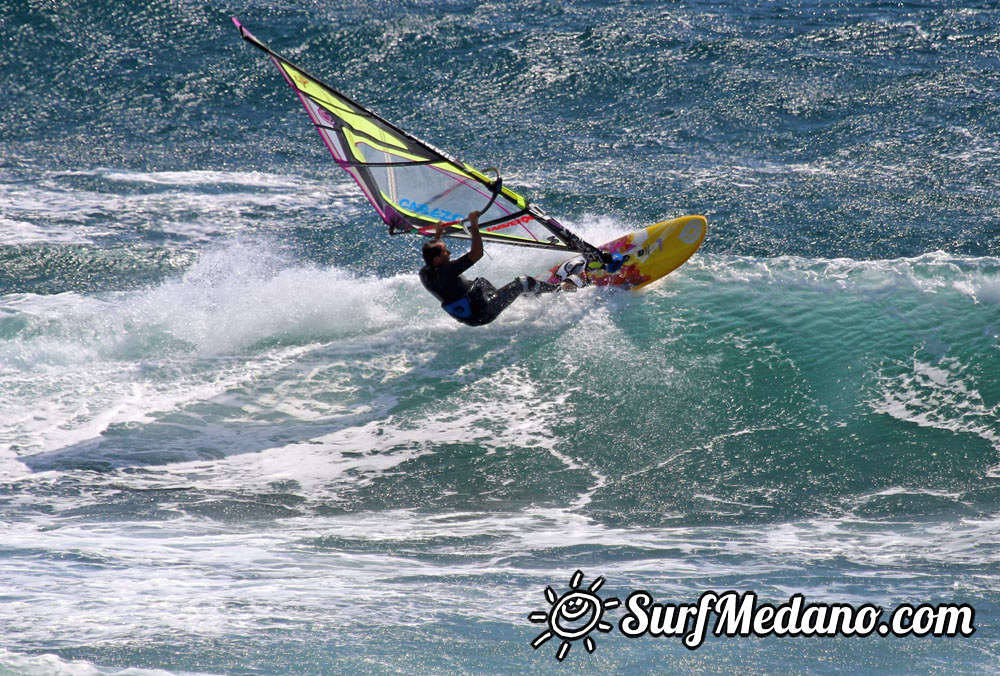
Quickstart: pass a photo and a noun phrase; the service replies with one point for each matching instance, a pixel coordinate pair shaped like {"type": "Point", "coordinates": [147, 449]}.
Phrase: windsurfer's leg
{"type": "Point", "coordinates": [506, 294]}
{"type": "Point", "coordinates": [498, 301]}
{"type": "Point", "coordinates": [488, 301]}
{"type": "Point", "coordinates": [493, 301]}
{"type": "Point", "coordinates": [535, 286]}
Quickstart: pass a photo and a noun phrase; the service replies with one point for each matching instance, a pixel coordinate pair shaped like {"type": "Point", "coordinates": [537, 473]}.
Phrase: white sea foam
{"type": "Point", "coordinates": [17, 232]}
{"type": "Point", "coordinates": [931, 273]}
{"type": "Point", "coordinates": [15, 664]}
{"type": "Point", "coordinates": [83, 364]}
{"type": "Point", "coordinates": [246, 330]}
{"type": "Point", "coordinates": [204, 177]}
{"type": "Point", "coordinates": [406, 567]}
{"type": "Point", "coordinates": [198, 205]}
{"type": "Point", "coordinates": [940, 395]}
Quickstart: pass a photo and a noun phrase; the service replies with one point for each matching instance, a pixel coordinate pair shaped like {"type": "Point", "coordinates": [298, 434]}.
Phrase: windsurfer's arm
{"type": "Point", "coordinates": [476, 252]}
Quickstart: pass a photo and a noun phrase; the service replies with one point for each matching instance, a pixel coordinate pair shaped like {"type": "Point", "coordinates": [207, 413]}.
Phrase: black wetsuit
{"type": "Point", "coordinates": [473, 303]}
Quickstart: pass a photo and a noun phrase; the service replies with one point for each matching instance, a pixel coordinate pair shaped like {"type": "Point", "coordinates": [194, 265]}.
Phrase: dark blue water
{"type": "Point", "coordinates": [236, 436]}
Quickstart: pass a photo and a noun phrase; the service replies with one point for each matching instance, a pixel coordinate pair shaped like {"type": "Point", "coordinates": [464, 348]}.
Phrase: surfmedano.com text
{"type": "Point", "coordinates": [741, 615]}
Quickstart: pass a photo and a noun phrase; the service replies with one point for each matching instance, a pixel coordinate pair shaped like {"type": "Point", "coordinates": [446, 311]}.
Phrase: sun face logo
{"type": "Point", "coordinates": [573, 615]}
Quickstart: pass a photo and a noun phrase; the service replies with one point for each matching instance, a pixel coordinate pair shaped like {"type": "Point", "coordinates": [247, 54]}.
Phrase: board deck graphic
{"type": "Point", "coordinates": [650, 253]}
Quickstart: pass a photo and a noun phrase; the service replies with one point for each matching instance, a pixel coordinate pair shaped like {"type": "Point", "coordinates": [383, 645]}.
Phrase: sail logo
{"type": "Point", "coordinates": [523, 220]}
{"type": "Point", "coordinates": [424, 210]}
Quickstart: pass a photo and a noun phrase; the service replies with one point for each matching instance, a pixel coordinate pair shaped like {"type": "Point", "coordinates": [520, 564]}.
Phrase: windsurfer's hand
{"type": "Point", "coordinates": [474, 220]}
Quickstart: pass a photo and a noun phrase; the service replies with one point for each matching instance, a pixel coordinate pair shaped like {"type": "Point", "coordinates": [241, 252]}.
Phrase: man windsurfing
{"type": "Point", "coordinates": [473, 303]}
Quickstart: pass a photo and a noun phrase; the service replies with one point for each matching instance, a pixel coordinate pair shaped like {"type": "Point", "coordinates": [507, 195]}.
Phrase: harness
{"type": "Point", "coordinates": [459, 309]}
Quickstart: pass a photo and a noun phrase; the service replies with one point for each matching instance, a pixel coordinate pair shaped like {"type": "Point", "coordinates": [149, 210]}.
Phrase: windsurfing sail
{"type": "Point", "coordinates": [413, 185]}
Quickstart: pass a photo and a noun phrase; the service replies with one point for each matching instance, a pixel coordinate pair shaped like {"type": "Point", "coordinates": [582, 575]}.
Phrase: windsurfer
{"type": "Point", "coordinates": [474, 303]}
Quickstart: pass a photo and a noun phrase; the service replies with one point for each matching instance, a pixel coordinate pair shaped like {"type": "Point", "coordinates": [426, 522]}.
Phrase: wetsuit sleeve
{"type": "Point", "coordinates": [459, 266]}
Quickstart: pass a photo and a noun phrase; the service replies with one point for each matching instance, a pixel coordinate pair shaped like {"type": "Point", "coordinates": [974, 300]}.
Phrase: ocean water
{"type": "Point", "coordinates": [237, 437]}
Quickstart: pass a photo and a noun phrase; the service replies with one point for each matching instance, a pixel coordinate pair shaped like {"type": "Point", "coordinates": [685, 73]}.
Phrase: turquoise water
{"type": "Point", "coordinates": [237, 437]}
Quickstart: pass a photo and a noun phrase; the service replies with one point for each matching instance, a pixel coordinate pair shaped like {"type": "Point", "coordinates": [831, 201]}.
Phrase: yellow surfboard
{"type": "Point", "coordinates": [650, 253]}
